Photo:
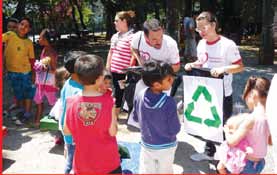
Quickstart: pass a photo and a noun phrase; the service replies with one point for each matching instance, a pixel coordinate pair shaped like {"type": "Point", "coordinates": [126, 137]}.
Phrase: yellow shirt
{"type": "Point", "coordinates": [18, 51]}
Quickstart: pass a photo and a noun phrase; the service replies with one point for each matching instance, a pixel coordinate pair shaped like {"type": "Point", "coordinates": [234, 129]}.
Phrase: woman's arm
{"type": "Point", "coordinates": [109, 58]}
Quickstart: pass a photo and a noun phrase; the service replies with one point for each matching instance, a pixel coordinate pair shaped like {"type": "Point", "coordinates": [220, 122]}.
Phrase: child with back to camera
{"type": "Point", "coordinates": [253, 126]}
{"type": "Point", "coordinates": [92, 121]}
{"type": "Point", "coordinates": [157, 116]}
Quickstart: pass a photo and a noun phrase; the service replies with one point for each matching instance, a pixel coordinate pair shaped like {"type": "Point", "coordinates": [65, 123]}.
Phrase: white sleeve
{"type": "Point", "coordinates": [233, 54]}
{"type": "Point", "coordinates": [174, 53]}
{"type": "Point", "coordinates": [135, 39]}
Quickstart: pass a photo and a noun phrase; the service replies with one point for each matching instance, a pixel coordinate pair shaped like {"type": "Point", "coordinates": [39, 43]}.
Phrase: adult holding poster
{"type": "Point", "coordinates": [222, 56]}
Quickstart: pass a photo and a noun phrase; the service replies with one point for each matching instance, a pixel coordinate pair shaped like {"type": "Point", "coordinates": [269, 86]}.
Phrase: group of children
{"type": "Point", "coordinates": [88, 116]}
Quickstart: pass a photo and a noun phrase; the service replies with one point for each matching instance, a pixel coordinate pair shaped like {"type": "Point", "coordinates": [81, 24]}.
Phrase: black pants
{"type": "Point", "coordinates": [210, 148]}
{"type": "Point", "coordinates": [118, 93]}
{"type": "Point", "coordinates": [176, 84]}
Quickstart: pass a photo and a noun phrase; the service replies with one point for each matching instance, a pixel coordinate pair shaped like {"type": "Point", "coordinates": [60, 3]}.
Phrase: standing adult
{"type": "Point", "coordinates": [222, 56]}
{"type": "Point", "coordinates": [119, 56]}
{"type": "Point", "coordinates": [190, 38]}
{"type": "Point", "coordinates": [152, 43]}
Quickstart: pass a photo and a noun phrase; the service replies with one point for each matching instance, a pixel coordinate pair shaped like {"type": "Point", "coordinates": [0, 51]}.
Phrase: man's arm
{"type": "Point", "coordinates": [135, 56]}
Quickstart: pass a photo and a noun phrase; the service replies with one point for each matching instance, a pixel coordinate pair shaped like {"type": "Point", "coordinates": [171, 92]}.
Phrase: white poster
{"type": "Point", "coordinates": [203, 111]}
{"type": "Point", "coordinates": [271, 113]}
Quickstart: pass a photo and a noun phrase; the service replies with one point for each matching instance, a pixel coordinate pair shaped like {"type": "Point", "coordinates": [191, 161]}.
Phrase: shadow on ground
{"type": "Point", "coordinates": [7, 163]}
{"type": "Point", "coordinates": [182, 159]}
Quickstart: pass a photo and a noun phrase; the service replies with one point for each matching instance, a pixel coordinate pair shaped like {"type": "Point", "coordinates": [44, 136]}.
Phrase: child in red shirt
{"type": "Point", "coordinates": [90, 119]}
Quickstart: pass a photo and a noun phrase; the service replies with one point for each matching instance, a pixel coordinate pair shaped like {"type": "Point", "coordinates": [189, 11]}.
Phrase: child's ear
{"type": "Point", "coordinates": [100, 80]}
{"type": "Point", "coordinates": [156, 85]}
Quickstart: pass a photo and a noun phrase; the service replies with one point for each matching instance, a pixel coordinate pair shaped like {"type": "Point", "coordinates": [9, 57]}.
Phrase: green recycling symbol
{"type": "Point", "coordinates": [211, 123]}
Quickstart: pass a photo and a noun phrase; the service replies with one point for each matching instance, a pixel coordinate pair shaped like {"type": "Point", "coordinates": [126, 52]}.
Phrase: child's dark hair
{"type": "Point", "coordinates": [70, 59]}
{"type": "Point", "coordinates": [107, 75]}
{"type": "Point", "coordinates": [13, 20]}
{"type": "Point", "coordinates": [260, 84]}
{"type": "Point", "coordinates": [89, 68]}
{"type": "Point", "coordinates": [29, 21]}
{"type": "Point", "coordinates": [61, 75]}
{"type": "Point", "coordinates": [46, 34]}
{"type": "Point", "coordinates": [154, 71]}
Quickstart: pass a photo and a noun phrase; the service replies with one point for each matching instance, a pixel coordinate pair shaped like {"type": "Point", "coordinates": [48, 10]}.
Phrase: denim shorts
{"type": "Point", "coordinates": [21, 84]}
{"type": "Point", "coordinates": [252, 167]}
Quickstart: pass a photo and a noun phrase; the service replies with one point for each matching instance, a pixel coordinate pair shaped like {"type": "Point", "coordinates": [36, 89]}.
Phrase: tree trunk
{"type": "Point", "coordinates": [267, 46]}
{"type": "Point", "coordinates": [74, 19]}
{"type": "Point", "coordinates": [81, 14]}
{"type": "Point", "coordinates": [20, 9]}
{"type": "Point", "coordinates": [157, 10]}
{"type": "Point", "coordinates": [172, 19]}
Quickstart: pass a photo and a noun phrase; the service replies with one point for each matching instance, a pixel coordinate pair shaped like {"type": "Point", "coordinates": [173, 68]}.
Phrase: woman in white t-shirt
{"type": "Point", "coordinates": [119, 56]}
{"type": "Point", "coordinates": [222, 56]}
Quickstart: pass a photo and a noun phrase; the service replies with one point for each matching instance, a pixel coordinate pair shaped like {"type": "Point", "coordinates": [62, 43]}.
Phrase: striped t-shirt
{"type": "Point", "coordinates": [121, 51]}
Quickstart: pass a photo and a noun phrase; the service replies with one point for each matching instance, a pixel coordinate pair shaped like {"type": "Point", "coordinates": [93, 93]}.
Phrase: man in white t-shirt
{"type": "Point", "coordinates": [152, 43]}
{"type": "Point", "coordinates": [222, 56]}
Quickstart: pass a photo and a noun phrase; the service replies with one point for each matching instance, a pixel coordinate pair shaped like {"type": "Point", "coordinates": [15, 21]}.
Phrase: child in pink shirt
{"type": "Point", "coordinates": [254, 126]}
{"type": "Point", "coordinates": [45, 75]}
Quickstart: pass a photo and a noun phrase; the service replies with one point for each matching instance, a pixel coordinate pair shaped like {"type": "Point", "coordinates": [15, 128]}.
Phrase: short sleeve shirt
{"type": "Point", "coordinates": [168, 53]}
{"type": "Point", "coordinates": [17, 53]}
{"type": "Point", "coordinates": [223, 52]}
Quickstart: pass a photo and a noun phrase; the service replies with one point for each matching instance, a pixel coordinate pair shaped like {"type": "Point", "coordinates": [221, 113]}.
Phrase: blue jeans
{"type": "Point", "coordinates": [69, 158]}
{"type": "Point", "coordinates": [253, 167]}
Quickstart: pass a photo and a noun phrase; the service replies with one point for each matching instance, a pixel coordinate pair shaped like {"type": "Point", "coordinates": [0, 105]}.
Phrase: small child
{"type": "Point", "coordinates": [107, 84]}
{"type": "Point", "coordinates": [233, 158]}
{"type": "Point", "coordinates": [253, 127]}
{"type": "Point", "coordinates": [12, 24]}
{"type": "Point", "coordinates": [61, 75]}
{"type": "Point", "coordinates": [157, 116]}
{"type": "Point", "coordinates": [19, 60]}
{"type": "Point", "coordinates": [45, 75]}
{"type": "Point", "coordinates": [91, 119]}
{"type": "Point", "coordinates": [71, 88]}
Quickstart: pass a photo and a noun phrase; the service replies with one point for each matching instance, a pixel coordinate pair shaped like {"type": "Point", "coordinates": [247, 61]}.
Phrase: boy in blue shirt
{"type": "Point", "coordinates": [71, 87]}
{"type": "Point", "coordinates": [157, 116]}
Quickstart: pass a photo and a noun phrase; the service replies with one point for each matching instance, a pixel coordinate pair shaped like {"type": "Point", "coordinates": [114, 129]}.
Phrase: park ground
{"type": "Point", "coordinates": [28, 150]}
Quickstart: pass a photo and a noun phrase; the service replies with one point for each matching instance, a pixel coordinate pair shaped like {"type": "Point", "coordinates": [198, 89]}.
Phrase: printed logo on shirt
{"type": "Point", "coordinates": [203, 57]}
{"type": "Point", "coordinates": [89, 112]}
{"type": "Point", "coordinates": [144, 55]}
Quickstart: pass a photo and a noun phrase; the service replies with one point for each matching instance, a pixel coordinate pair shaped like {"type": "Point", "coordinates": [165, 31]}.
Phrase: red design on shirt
{"type": "Point", "coordinates": [89, 112]}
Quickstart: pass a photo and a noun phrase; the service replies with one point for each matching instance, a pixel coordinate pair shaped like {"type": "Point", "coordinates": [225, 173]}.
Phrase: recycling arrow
{"type": "Point", "coordinates": [215, 122]}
